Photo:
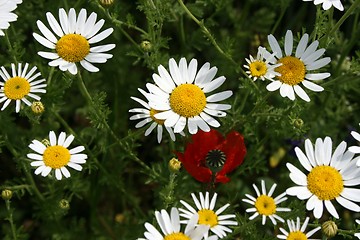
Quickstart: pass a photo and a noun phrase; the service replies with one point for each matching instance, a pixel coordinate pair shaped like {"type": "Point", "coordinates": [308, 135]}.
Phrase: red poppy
{"type": "Point", "coordinates": [209, 150]}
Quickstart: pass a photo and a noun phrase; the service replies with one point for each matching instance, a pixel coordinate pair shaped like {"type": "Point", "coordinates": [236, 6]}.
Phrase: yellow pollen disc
{"type": "Point", "coordinates": [56, 156]}
{"type": "Point", "coordinates": [72, 47]}
{"type": "Point", "coordinates": [187, 100]}
{"type": "Point", "coordinates": [16, 88]}
{"type": "Point", "coordinates": [265, 205]}
{"type": "Point", "coordinates": [176, 236]}
{"type": "Point", "coordinates": [292, 70]}
{"type": "Point", "coordinates": [257, 68]}
{"type": "Point", "coordinates": [325, 182]}
{"type": "Point", "coordinates": [208, 217]}
{"type": "Point", "coordinates": [297, 235]}
{"type": "Point", "coordinates": [152, 113]}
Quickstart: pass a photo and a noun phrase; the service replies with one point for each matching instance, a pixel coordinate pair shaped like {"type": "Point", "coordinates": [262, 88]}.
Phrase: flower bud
{"type": "Point", "coordinates": [64, 204]}
{"type": "Point", "coordinates": [6, 194]}
{"type": "Point", "coordinates": [106, 3]}
{"type": "Point", "coordinates": [329, 228]}
{"type": "Point", "coordinates": [298, 122]}
{"type": "Point", "coordinates": [174, 165]}
{"type": "Point", "coordinates": [146, 46]}
{"type": "Point", "coordinates": [37, 107]}
{"type": "Point", "coordinates": [119, 218]}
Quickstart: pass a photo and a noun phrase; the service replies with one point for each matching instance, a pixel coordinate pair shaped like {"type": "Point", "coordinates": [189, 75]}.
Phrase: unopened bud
{"type": "Point", "coordinates": [6, 194]}
{"type": "Point", "coordinates": [298, 122]}
{"type": "Point", "coordinates": [146, 46]}
{"type": "Point", "coordinates": [37, 107]}
{"type": "Point", "coordinates": [329, 228]}
{"type": "Point", "coordinates": [174, 165]}
{"type": "Point", "coordinates": [106, 3]}
{"type": "Point", "coordinates": [64, 204]}
{"type": "Point", "coordinates": [119, 218]}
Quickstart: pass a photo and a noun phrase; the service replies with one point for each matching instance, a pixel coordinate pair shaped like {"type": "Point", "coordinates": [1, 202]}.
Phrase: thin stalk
{"type": "Point", "coordinates": [10, 219]}
{"type": "Point", "coordinates": [11, 49]}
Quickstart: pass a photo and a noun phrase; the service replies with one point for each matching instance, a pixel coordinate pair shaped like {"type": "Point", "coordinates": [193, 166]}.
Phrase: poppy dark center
{"type": "Point", "coordinates": [215, 158]}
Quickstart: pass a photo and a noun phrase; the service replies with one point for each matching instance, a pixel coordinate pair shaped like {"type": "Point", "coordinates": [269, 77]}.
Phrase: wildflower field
{"type": "Point", "coordinates": [179, 120]}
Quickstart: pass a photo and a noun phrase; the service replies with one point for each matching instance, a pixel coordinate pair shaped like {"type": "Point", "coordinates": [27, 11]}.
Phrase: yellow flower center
{"type": "Point", "coordinates": [152, 113]}
{"type": "Point", "coordinates": [265, 205]}
{"type": "Point", "coordinates": [292, 70]}
{"type": "Point", "coordinates": [16, 88]}
{"type": "Point", "coordinates": [208, 217]}
{"type": "Point", "coordinates": [176, 236]}
{"type": "Point", "coordinates": [72, 47]}
{"type": "Point", "coordinates": [257, 68]}
{"type": "Point", "coordinates": [187, 100]}
{"type": "Point", "coordinates": [325, 182]}
{"type": "Point", "coordinates": [56, 156]}
{"type": "Point", "coordinates": [297, 235]}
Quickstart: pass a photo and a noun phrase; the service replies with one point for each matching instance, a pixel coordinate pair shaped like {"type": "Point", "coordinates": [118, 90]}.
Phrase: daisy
{"type": "Point", "coordinates": [56, 156]}
{"type": "Point", "coordinates": [181, 96]}
{"type": "Point", "coordinates": [296, 69]}
{"type": "Point", "coordinates": [265, 205]}
{"type": "Point", "coordinates": [6, 14]}
{"type": "Point", "coordinates": [260, 66]}
{"type": "Point", "coordinates": [355, 149]}
{"type": "Point", "coordinates": [207, 216]}
{"type": "Point", "coordinates": [73, 40]}
{"type": "Point", "coordinates": [357, 234]}
{"type": "Point", "coordinates": [327, 4]}
{"type": "Point", "coordinates": [20, 86]}
{"type": "Point", "coordinates": [295, 232]}
{"type": "Point", "coordinates": [330, 177]}
{"type": "Point", "coordinates": [170, 227]}
{"type": "Point", "coordinates": [147, 115]}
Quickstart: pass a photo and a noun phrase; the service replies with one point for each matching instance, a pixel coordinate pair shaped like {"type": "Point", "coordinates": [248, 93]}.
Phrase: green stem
{"type": "Point", "coordinates": [99, 115]}
{"type": "Point", "coordinates": [11, 49]}
{"type": "Point", "coordinates": [10, 219]}
{"type": "Point", "coordinates": [343, 18]}
{"type": "Point", "coordinates": [209, 35]}
{"type": "Point", "coordinates": [283, 10]}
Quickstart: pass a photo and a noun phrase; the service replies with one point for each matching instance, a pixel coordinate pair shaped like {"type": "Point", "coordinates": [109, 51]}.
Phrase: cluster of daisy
{"type": "Point", "coordinates": [202, 222]}
{"type": "Point", "coordinates": [287, 70]}
{"type": "Point", "coordinates": [180, 98]}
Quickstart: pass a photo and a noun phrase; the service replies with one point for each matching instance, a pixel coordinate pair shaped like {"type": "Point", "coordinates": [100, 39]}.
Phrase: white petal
{"type": "Point", "coordinates": [302, 45]}
{"type": "Point", "coordinates": [301, 93]}
{"type": "Point", "coordinates": [288, 42]}
{"type": "Point", "coordinates": [44, 41]}
{"type": "Point", "coordinates": [219, 96]}
{"type": "Point", "coordinates": [312, 86]}
{"type": "Point", "coordinates": [273, 86]}
{"type": "Point", "coordinates": [275, 47]}
{"type": "Point", "coordinates": [101, 36]}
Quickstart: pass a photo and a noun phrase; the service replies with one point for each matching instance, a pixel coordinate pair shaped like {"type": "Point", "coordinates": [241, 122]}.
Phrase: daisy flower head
{"type": "Point", "coordinates": [327, 4]}
{"type": "Point", "coordinates": [181, 96]}
{"type": "Point", "coordinates": [209, 157]}
{"type": "Point", "coordinates": [329, 176]}
{"type": "Point", "coordinates": [146, 115]}
{"type": "Point", "coordinates": [265, 205]}
{"type": "Point", "coordinates": [20, 86]}
{"type": "Point", "coordinates": [6, 14]}
{"type": "Point", "coordinates": [56, 156]}
{"type": "Point", "coordinates": [261, 66]}
{"type": "Point", "coordinates": [171, 229]}
{"type": "Point", "coordinates": [355, 149]}
{"type": "Point", "coordinates": [296, 69]}
{"type": "Point", "coordinates": [296, 232]}
{"type": "Point", "coordinates": [72, 41]}
{"type": "Point", "coordinates": [207, 216]}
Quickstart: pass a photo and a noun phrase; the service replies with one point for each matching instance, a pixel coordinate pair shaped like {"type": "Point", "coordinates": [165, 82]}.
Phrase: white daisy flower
{"type": "Point", "coordinates": [295, 232]}
{"type": "Point", "coordinates": [207, 216]}
{"type": "Point", "coordinates": [330, 177]}
{"type": "Point", "coordinates": [261, 67]}
{"type": "Point", "coordinates": [265, 205]}
{"type": "Point", "coordinates": [355, 149]}
{"type": "Point", "coordinates": [6, 14]}
{"type": "Point", "coordinates": [73, 40]}
{"type": "Point", "coordinates": [147, 115]}
{"type": "Point", "coordinates": [170, 227]}
{"type": "Point", "coordinates": [296, 69]}
{"type": "Point", "coordinates": [181, 96]}
{"type": "Point", "coordinates": [357, 234]}
{"type": "Point", "coordinates": [327, 4]}
{"type": "Point", "coordinates": [56, 156]}
{"type": "Point", "coordinates": [20, 86]}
